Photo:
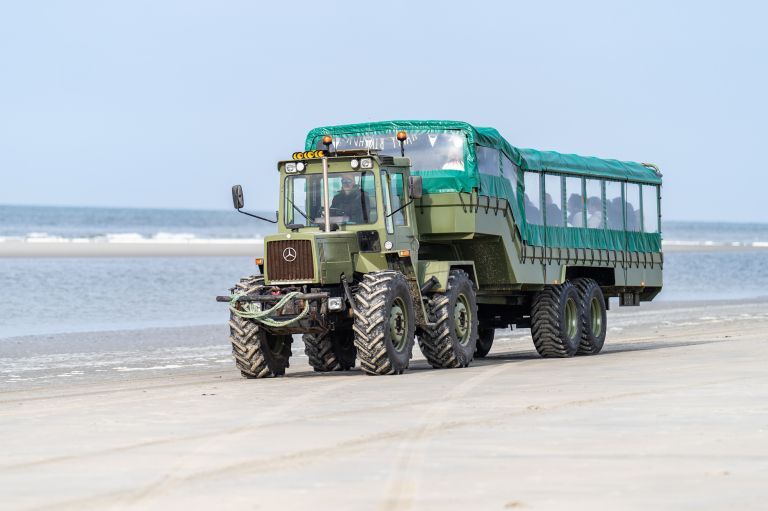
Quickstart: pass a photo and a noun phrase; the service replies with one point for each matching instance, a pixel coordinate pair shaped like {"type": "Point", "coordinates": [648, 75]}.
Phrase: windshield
{"type": "Point", "coordinates": [353, 199]}
{"type": "Point", "coordinates": [427, 150]}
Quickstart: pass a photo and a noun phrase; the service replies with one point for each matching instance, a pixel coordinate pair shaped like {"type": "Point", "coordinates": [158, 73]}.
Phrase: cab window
{"type": "Point", "coordinates": [352, 194]}
{"type": "Point", "coordinates": [394, 181]}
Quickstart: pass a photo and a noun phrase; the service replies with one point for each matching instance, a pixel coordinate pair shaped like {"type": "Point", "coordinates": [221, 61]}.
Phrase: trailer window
{"type": "Point", "coordinates": [510, 171]}
{"type": "Point", "coordinates": [532, 199]}
{"type": "Point", "coordinates": [650, 209]}
{"type": "Point", "coordinates": [488, 160]}
{"type": "Point", "coordinates": [428, 150]}
{"type": "Point", "coordinates": [553, 201]}
{"type": "Point", "coordinates": [632, 205]}
{"type": "Point", "coordinates": [613, 205]}
{"type": "Point", "coordinates": [595, 219]}
{"type": "Point", "coordinates": [574, 202]}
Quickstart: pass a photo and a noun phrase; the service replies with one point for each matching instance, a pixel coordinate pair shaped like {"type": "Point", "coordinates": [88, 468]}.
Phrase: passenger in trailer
{"type": "Point", "coordinates": [554, 213]}
{"type": "Point", "coordinates": [575, 210]}
{"type": "Point", "coordinates": [595, 212]}
{"type": "Point", "coordinates": [532, 213]}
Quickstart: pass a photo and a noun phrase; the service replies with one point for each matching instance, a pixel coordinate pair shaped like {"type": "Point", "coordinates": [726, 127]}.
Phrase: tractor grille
{"type": "Point", "coordinates": [290, 260]}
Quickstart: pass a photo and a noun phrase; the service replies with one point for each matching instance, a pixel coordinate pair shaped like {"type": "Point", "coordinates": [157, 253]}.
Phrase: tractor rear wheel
{"type": "Point", "coordinates": [556, 321]}
{"type": "Point", "coordinates": [331, 351]}
{"type": "Point", "coordinates": [593, 317]}
{"type": "Point", "coordinates": [451, 341]}
{"type": "Point", "coordinates": [384, 323]}
{"type": "Point", "coordinates": [484, 340]}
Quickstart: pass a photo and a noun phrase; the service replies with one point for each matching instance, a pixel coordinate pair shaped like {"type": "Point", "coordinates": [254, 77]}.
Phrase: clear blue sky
{"type": "Point", "coordinates": [166, 104]}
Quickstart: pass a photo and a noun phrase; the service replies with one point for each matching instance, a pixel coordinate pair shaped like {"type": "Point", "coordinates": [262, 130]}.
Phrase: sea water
{"type": "Point", "coordinates": [53, 295]}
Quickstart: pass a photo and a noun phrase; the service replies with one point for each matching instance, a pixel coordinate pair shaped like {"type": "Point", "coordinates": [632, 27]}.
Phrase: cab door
{"type": "Point", "coordinates": [397, 220]}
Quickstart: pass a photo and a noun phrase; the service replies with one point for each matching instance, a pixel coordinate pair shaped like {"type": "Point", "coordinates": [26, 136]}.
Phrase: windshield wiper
{"type": "Point", "coordinates": [294, 206]}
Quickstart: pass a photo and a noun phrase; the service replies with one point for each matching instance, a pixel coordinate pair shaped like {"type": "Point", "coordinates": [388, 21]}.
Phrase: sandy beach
{"type": "Point", "coordinates": [672, 415]}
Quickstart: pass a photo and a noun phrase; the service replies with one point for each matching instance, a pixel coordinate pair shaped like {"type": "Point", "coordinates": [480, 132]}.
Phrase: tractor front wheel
{"type": "Point", "coordinates": [384, 323]}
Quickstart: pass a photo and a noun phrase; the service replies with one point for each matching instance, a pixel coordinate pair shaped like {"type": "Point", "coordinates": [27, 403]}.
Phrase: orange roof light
{"type": "Point", "coordinates": [402, 135]}
{"type": "Point", "coordinates": [259, 261]}
{"type": "Point", "coordinates": [327, 139]}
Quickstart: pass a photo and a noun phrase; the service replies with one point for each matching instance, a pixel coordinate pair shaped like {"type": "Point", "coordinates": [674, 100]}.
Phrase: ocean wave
{"type": "Point", "coordinates": [710, 243]}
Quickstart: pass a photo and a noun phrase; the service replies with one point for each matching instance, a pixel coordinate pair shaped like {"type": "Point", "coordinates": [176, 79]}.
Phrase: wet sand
{"type": "Point", "coordinates": [672, 415]}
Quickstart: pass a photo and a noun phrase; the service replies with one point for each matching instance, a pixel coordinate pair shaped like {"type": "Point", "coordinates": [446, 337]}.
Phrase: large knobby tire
{"type": "Point", "coordinates": [331, 351]}
{"type": "Point", "coordinates": [556, 321]}
{"type": "Point", "coordinates": [593, 317]}
{"type": "Point", "coordinates": [485, 335]}
{"type": "Point", "coordinates": [257, 353]}
{"type": "Point", "coordinates": [452, 340]}
{"type": "Point", "coordinates": [384, 323]}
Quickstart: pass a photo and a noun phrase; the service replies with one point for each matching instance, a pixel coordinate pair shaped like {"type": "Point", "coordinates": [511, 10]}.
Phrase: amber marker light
{"type": "Point", "coordinates": [404, 253]}
{"type": "Point", "coordinates": [401, 136]}
{"type": "Point", "coordinates": [259, 261]}
{"type": "Point", "coordinates": [327, 140]}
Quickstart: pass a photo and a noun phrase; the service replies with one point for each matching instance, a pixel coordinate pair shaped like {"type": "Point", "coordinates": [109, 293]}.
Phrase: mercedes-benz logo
{"type": "Point", "coordinates": [289, 254]}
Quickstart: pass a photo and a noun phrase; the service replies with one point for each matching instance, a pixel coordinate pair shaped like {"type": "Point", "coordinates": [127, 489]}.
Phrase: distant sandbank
{"type": "Point", "coordinates": [148, 248]}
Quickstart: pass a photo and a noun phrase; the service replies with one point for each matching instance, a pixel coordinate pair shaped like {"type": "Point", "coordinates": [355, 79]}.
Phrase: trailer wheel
{"type": "Point", "coordinates": [593, 317]}
{"type": "Point", "coordinates": [556, 321]}
{"type": "Point", "coordinates": [384, 323]}
{"type": "Point", "coordinates": [452, 341]}
{"type": "Point", "coordinates": [258, 354]}
{"type": "Point", "coordinates": [485, 335]}
{"type": "Point", "coordinates": [331, 351]}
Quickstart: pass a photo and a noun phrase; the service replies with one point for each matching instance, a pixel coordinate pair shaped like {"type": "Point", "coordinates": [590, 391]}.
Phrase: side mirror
{"type": "Point", "coordinates": [414, 187]}
{"type": "Point", "coordinates": [237, 197]}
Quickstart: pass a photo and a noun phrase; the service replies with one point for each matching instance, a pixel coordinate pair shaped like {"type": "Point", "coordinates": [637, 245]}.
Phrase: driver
{"type": "Point", "coordinates": [351, 200]}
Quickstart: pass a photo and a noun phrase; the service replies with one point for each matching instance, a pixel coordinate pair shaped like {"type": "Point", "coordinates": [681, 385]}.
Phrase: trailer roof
{"type": "Point", "coordinates": [528, 159]}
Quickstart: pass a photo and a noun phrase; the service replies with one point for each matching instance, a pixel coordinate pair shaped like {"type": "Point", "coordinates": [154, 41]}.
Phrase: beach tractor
{"type": "Point", "coordinates": [439, 232]}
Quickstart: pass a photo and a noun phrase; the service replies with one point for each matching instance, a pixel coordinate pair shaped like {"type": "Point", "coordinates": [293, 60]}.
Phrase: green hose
{"type": "Point", "coordinates": [249, 310]}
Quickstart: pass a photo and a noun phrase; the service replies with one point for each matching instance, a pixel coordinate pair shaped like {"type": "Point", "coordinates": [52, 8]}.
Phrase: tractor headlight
{"type": "Point", "coordinates": [354, 164]}
{"type": "Point", "coordinates": [290, 168]}
{"type": "Point", "coordinates": [335, 303]}
{"type": "Point", "coordinates": [366, 163]}
{"type": "Point", "coordinates": [300, 166]}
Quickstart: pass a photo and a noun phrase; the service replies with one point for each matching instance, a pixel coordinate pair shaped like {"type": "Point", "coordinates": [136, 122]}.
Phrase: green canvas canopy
{"type": "Point", "coordinates": [469, 179]}
{"type": "Point", "coordinates": [527, 159]}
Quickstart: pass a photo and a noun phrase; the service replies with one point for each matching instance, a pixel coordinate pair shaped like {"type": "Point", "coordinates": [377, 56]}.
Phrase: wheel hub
{"type": "Point", "coordinates": [571, 318]}
{"type": "Point", "coordinates": [398, 325]}
{"type": "Point", "coordinates": [596, 317]}
{"type": "Point", "coordinates": [462, 320]}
